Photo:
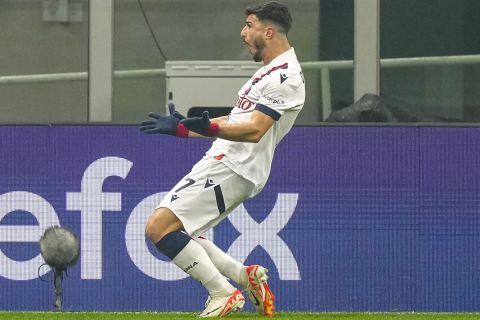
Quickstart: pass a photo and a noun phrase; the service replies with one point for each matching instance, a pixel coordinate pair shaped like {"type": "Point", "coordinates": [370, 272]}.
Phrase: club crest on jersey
{"type": "Point", "coordinates": [283, 77]}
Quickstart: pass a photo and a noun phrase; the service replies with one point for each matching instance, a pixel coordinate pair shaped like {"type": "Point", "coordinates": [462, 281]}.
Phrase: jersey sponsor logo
{"type": "Point", "coordinates": [244, 103]}
{"type": "Point", "coordinates": [274, 101]}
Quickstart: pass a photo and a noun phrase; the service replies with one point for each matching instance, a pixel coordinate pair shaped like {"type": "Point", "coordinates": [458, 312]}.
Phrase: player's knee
{"type": "Point", "coordinates": [153, 228]}
{"type": "Point", "coordinates": [160, 223]}
{"type": "Point", "coordinates": [150, 226]}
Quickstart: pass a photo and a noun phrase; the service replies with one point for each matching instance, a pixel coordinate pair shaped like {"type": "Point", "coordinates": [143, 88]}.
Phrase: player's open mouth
{"type": "Point", "coordinates": [251, 48]}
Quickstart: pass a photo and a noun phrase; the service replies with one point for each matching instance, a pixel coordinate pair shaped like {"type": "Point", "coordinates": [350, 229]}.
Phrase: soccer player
{"type": "Point", "coordinates": [234, 169]}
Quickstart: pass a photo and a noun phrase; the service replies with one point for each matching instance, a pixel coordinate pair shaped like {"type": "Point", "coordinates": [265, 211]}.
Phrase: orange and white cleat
{"type": "Point", "coordinates": [221, 306]}
{"type": "Point", "coordinates": [258, 290]}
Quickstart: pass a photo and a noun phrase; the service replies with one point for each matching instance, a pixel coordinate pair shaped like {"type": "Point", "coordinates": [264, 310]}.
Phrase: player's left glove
{"type": "Point", "coordinates": [202, 125]}
{"type": "Point", "coordinates": [165, 124]}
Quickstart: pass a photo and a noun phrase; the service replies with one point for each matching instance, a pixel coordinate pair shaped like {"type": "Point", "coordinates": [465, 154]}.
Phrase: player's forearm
{"type": "Point", "coordinates": [251, 131]}
{"type": "Point", "coordinates": [241, 132]}
{"type": "Point", "coordinates": [220, 120]}
{"type": "Point", "coordinates": [192, 134]}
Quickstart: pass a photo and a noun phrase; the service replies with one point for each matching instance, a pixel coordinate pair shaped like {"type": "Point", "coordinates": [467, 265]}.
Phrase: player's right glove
{"type": "Point", "coordinates": [165, 124]}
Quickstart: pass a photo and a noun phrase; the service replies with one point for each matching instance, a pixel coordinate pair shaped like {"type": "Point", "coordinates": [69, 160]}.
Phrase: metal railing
{"type": "Point", "coordinates": [74, 76]}
{"type": "Point", "coordinates": [325, 67]}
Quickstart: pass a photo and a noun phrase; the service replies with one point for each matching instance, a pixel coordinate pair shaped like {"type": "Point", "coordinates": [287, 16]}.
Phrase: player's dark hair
{"type": "Point", "coordinates": [274, 12]}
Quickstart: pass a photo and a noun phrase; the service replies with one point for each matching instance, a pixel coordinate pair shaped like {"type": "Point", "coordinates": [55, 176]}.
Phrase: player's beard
{"type": "Point", "coordinates": [258, 45]}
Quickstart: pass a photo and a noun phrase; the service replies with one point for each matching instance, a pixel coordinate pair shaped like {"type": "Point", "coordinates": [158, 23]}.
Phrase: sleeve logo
{"type": "Point", "coordinates": [274, 101]}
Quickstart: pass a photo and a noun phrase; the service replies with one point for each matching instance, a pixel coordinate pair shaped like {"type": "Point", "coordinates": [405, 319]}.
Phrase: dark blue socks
{"type": "Point", "coordinates": [172, 243]}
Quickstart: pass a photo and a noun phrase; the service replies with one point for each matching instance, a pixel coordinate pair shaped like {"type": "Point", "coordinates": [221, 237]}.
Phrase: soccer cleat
{"type": "Point", "coordinates": [258, 290]}
{"type": "Point", "coordinates": [220, 307]}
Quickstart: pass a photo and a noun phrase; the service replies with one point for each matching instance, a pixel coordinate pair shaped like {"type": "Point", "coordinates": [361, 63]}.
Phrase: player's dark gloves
{"type": "Point", "coordinates": [202, 125]}
{"type": "Point", "coordinates": [165, 124]}
{"type": "Point", "coordinates": [175, 113]}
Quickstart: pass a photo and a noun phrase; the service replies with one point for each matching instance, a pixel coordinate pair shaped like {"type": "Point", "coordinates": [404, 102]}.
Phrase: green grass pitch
{"type": "Point", "coordinates": [244, 315]}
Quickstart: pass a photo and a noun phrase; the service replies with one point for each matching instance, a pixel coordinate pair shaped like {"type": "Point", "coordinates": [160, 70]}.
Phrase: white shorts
{"type": "Point", "coordinates": [206, 195]}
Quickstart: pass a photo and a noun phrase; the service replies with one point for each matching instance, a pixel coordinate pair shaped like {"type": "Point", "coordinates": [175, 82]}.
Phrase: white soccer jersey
{"type": "Point", "coordinates": [278, 90]}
